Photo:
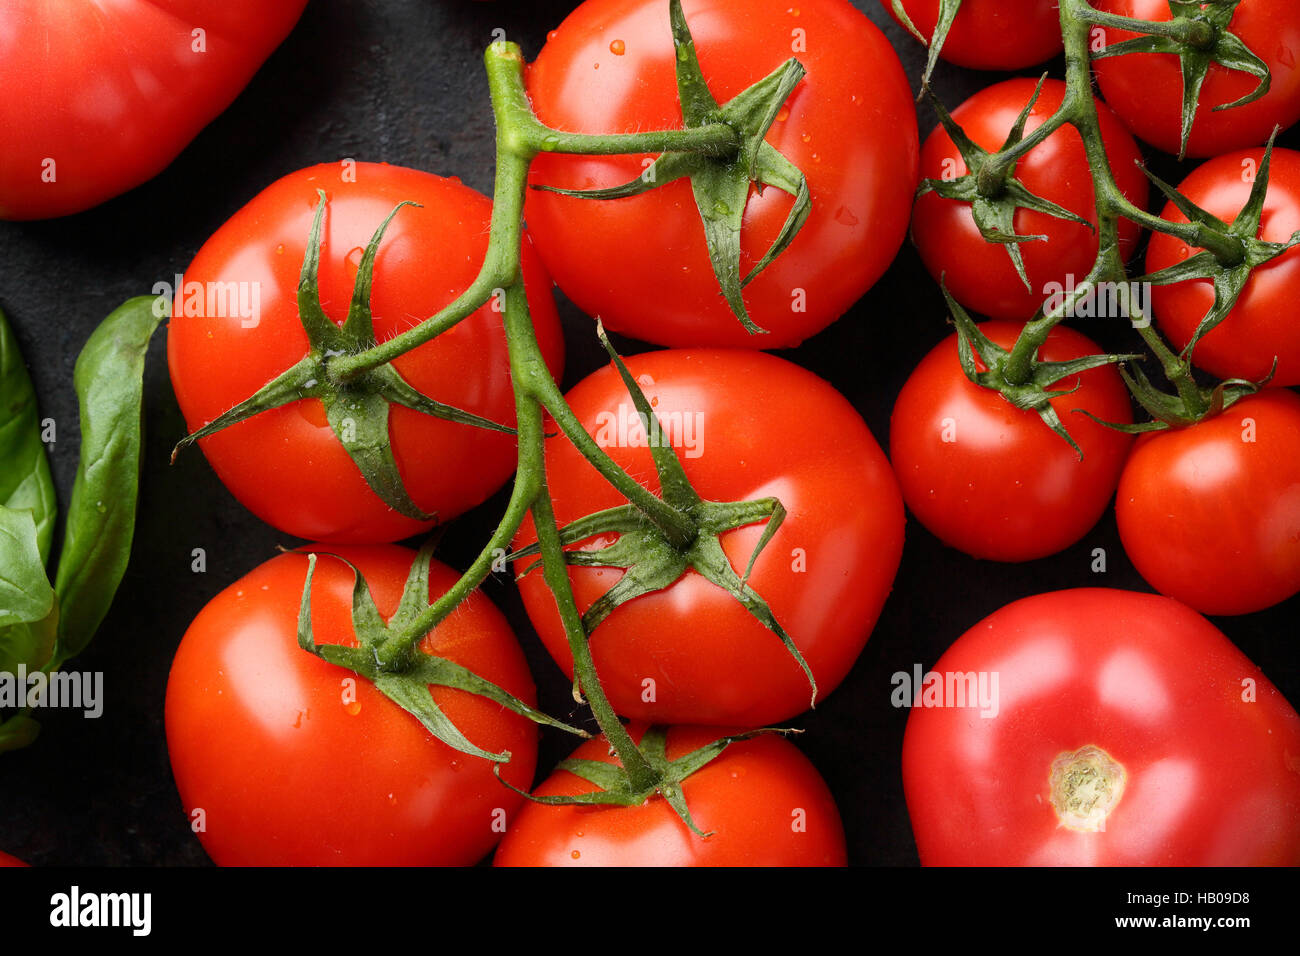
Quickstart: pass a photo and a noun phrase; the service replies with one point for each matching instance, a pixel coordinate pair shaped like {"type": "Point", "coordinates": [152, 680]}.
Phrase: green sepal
{"type": "Point", "coordinates": [1229, 278]}
{"type": "Point", "coordinates": [1171, 410]}
{"type": "Point", "coordinates": [994, 211]}
{"type": "Point", "coordinates": [408, 683]}
{"type": "Point", "coordinates": [1226, 49]}
{"type": "Point", "coordinates": [948, 10]}
{"type": "Point", "coordinates": [614, 789]}
{"type": "Point", "coordinates": [358, 411]}
{"type": "Point", "coordinates": [721, 185]}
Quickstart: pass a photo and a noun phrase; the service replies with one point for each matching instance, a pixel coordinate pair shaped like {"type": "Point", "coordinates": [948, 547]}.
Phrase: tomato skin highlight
{"type": "Point", "coordinates": [980, 274]}
{"type": "Point", "coordinates": [991, 34]}
{"type": "Point", "coordinates": [428, 256]}
{"type": "Point", "coordinates": [111, 93]}
{"type": "Point", "coordinates": [1210, 776]}
{"type": "Point", "coordinates": [288, 771]}
{"type": "Point", "coordinates": [1006, 487]}
{"type": "Point", "coordinates": [1259, 328]}
{"type": "Point", "coordinates": [1146, 89]}
{"type": "Point", "coordinates": [641, 263]}
{"type": "Point", "coordinates": [753, 798]}
{"type": "Point", "coordinates": [1210, 514]}
{"type": "Point", "coordinates": [825, 574]}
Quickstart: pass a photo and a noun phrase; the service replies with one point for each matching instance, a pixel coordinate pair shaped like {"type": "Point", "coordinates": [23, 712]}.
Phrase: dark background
{"type": "Point", "coordinates": [401, 81]}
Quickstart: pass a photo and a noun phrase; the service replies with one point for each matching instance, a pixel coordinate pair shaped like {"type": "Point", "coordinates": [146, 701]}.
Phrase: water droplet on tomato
{"type": "Point", "coordinates": [784, 115]}
{"type": "Point", "coordinates": [279, 250]}
{"type": "Point", "coordinates": [576, 854]}
{"type": "Point", "coordinates": [552, 35]}
{"type": "Point", "coordinates": [618, 48]}
{"type": "Point", "coordinates": [807, 137]}
{"type": "Point", "coordinates": [353, 708]}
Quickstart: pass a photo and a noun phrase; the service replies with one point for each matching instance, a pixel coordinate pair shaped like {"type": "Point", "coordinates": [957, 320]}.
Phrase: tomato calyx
{"type": "Point", "coordinates": [405, 677]}
{"type": "Point", "coordinates": [357, 409]}
{"type": "Point", "coordinates": [616, 788]}
{"type": "Point", "coordinates": [1030, 392]}
{"type": "Point", "coordinates": [721, 183]}
{"type": "Point", "coordinates": [1085, 787]}
{"type": "Point", "coordinates": [1198, 35]}
{"type": "Point", "coordinates": [991, 188]}
{"type": "Point", "coordinates": [1228, 273]}
{"type": "Point", "coordinates": [948, 10]}
{"type": "Point", "coordinates": [652, 558]}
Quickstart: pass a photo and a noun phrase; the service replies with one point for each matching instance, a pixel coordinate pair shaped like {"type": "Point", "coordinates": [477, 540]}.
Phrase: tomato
{"type": "Point", "coordinates": [287, 465]}
{"type": "Point", "coordinates": [1210, 514]}
{"type": "Point", "coordinates": [101, 97]}
{"type": "Point", "coordinates": [1126, 731]}
{"type": "Point", "coordinates": [980, 274]}
{"type": "Point", "coordinates": [1146, 89]}
{"type": "Point", "coordinates": [7, 860]}
{"type": "Point", "coordinates": [641, 263]}
{"type": "Point", "coordinates": [991, 34]}
{"type": "Point", "coordinates": [284, 759]}
{"type": "Point", "coordinates": [1259, 328]}
{"type": "Point", "coordinates": [761, 800]}
{"type": "Point", "coordinates": [746, 425]}
{"type": "Point", "coordinates": [993, 480]}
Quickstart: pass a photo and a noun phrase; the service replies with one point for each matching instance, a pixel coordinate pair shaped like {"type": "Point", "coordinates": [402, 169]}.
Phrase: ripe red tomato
{"type": "Point", "coordinates": [980, 274]}
{"type": "Point", "coordinates": [1260, 326]}
{"type": "Point", "coordinates": [993, 480]}
{"type": "Point", "coordinates": [991, 34]}
{"type": "Point", "coordinates": [1128, 732]}
{"type": "Point", "coordinates": [295, 761]}
{"type": "Point", "coordinates": [641, 263]}
{"type": "Point", "coordinates": [1146, 89]}
{"type": "Point", "coordinates": [7, 860]}
{"type": "Point", "coordinates": [429, 255]}
{"type": "Point", "coordinates": [761, 799]}
{"type": "Point", "coordinates": [745, 425]}
{"type": "Point", "coordinates": [1210, 514]}
{"type": "Point", "coordinates": [101, 97]}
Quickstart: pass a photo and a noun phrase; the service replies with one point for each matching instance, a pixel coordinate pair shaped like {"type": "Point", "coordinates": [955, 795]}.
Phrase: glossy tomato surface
{"type": "Point", "coordinates": [284, 759]}
{"type": "Point", "coordinates": [980, 274]}
{"type": "Point", "coordinates": [991, 34]}
{"type": "Point", "coordinates": [761, 800]}
{"type": "Point", "coordinates": [1261, 327]}
{"type": "Point", "coordinates": [1128, 731]}
{"type": "Point", "coordinates": [1146, 89]}
{"type": "Point", "coordinates": [7, 860]}
{"type": "Point", "coordinates": [745, 426]}
{"type": "Point", "coordinates": [102, 96]}
{"type": "Point", "coordinates": [641, 263]}
{"type": "Point", "coordinates": [287, 465]}
{"type": "Point", "coordinates": [993, 480]}
{"type": "Point", "coordinates": [1211, 514]}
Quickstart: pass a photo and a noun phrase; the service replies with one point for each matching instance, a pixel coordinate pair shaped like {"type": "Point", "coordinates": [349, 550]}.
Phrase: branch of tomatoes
{"type": "Point", "coordinates": [722, 151]}
{"type": "Point", "coordinates": [1198, 33]}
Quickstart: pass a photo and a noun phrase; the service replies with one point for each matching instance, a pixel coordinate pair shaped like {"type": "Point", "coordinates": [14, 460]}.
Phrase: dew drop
{"type": "Point", "coordinates": [807, 137]}
{"type": "Point", "coordinates": [576, 854]}
{"type": "Point", "coordinates": [353, 708]}
{"type": "Point", "coordinates": [279, 250]}
{"type": "Point", "coordinates": [784, 115]}
{"type": "Point", "coordinates": [552, 35]}
{"type": "Point", "coordinates": [618, 48]}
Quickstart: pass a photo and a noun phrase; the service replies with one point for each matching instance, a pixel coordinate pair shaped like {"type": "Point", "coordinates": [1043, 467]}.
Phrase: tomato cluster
{"type": "Point", "coordinates": [705, 535]}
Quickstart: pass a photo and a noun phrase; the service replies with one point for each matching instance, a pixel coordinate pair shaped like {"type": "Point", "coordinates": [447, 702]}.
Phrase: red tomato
{"type": "Point", "coordinates": [980, 274]}
{"type": "Point", "coordinates": [1128, 732]}
{"type": "Point", "coordinates": [1260, 326]}
{"type": "Point", "coordinates": [101, 97]}
{"type": "Point", "coordinates": [992, 34]}
{"type": "Point", "coordinates": [1211, 514]}
{"type": "Point", "coordinates": [1146, 89]}
{"type": "Point", "coordinates": [762, 801]}
{"type": "Point", "coordinates": [745, 425]}
{"type": "Point", "coordinates": [993, 480]}
{"type": "Point", "coordinates": [428, 256]}
{"type": "Point", "coordinates": [295, 761]}
{"type": "Point", "coordinates": [7, 860]}
{"type": "Point", "coordinates": [641, 263]}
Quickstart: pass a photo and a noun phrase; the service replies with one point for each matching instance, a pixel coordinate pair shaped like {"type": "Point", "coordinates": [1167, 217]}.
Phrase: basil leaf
{"type": "Point", "coordinates": [101, 515]}
{"type": "Point", "coordinates": [25, 483]}
{"type": "Point", "coordinates": [27, 627]}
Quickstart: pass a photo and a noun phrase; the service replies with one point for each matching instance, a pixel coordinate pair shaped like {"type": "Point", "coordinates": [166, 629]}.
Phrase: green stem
{"type": "Point", "coordinates": [1196, 33]}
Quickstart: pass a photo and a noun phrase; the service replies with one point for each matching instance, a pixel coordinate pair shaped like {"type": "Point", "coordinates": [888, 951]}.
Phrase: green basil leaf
{"type": "Point", "coordinates": [101, 515]}
{"type": "Point", "coordinates": [25, 483]}
{"type": "Point", "coordinates": [27, 618]}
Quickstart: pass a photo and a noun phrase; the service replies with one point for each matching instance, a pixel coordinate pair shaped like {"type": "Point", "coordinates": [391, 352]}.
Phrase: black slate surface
{"type": "Point", "coordinates": [401, 81]}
